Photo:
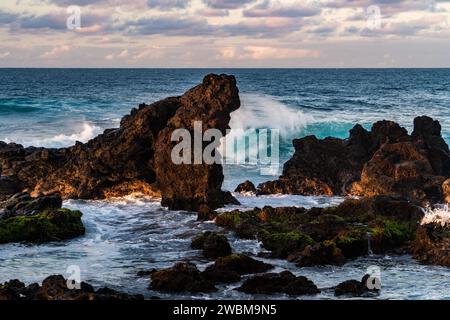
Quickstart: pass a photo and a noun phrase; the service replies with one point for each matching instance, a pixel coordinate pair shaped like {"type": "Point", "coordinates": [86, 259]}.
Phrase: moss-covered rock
{"type": "Point", "coordinates": [213, 244]}
{"type": "Point", "coordinates": [52, 225]}
{"type": "Point", "coordinates": [281, 244]}
{"type": "Point", "coordinates": [386, 223]}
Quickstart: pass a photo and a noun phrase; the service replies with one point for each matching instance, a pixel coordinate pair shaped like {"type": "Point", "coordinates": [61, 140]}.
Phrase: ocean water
{"type": "Point", "coordinates": [56, 107]}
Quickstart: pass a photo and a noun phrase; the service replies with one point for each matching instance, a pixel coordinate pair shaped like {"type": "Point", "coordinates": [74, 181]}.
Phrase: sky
{"type": "Point", "coordinates": [224, 33]}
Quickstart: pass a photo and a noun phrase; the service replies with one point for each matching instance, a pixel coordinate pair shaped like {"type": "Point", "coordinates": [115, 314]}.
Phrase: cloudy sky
{"type": "Point", "coordinates": [224, 33]}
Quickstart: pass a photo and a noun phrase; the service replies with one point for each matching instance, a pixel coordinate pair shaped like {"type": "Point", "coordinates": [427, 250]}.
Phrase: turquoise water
{"type": "Point", "coordinates": [56, 107]}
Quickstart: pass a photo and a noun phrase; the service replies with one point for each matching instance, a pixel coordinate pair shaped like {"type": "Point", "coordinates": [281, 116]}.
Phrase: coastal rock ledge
{"type": "Point", "coordinates": [136, 157]}
{"type": "Point", "coordinates": [384, 161]}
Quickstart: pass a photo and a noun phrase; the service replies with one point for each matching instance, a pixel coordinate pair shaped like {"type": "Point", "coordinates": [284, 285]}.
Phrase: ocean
{"type": "Point", "coordinates": [56, 107]}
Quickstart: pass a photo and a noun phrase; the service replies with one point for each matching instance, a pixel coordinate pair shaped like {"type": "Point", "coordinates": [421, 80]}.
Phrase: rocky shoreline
{"type": "Point", "coordinates": [392, 173]}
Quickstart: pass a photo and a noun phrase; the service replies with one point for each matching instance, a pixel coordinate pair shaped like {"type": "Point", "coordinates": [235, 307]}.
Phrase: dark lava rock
{"type": "Point", "coordinates": [238, 264]}
{"type": "Point", "coordinates": [446, 190]}
{"type": "Point", "coordinates": [40, 219]}
{"type": "Point", "coordinates": [224, 276]}
{"type": "Point", "coordinates": [136, 157]}
{"type": "Point", "coordinates": [246, 187]}
{"type": "Point", "coordinates": [8, 187]}
{"type": "Point", "coordinates": [55, 288]}
{"type": "Point", "coordinates": [383, 161]}
{"type": "Point", "coordinates": [182, 277]}
{"type": "Point", "coordinates": [354, 288]}
{"type": "Point", "coordinates": [214, 245]}
{"type": "Point", "coordinates": [328, 235]}
{"type": "Point", "coordinates": [432, 245]}
{"type": "Point", "coordinates": [322, 253]}
{"type": "Point", "coordinates": [284, 282]}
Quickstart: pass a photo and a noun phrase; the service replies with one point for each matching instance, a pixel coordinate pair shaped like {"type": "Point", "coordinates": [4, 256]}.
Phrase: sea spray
{"type": "Point", "coordinates": [439, 215]}
{"type": "Point", "coordinates": [83, 133]}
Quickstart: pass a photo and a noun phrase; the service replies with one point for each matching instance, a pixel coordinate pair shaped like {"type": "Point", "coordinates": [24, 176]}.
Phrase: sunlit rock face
{"type": "Point", "coordinates": [134, 157]}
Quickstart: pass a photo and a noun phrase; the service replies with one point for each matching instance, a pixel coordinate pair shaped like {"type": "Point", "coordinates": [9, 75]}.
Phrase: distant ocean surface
{"type": "Point", "coordinates": [56, 107]}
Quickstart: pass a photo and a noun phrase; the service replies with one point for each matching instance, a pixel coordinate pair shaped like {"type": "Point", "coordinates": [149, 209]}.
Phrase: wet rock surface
{"type": "Point", "coordinates": [56, 288]}
{"type": "Point", "coordinates": [212, 244]}
{"type": "Point", "coordinates": [182, 277]}
{"type": "Point", "coordinates": [246, 187]}
{"type": "Point", "coordinates": [383, 161]}
{"type": "Point", "coordinates": [284, 282]}
{"type": "Point", "coordinates": [432, 245]}
{"type": "Point", "coordinates": [136, 157]}
{"type": "Point", "coordinates": [38, 219]}
{"type": "Point", "coordinates": [355, 288]}
{"type": "Point", "coordinates": [320, 236]}
{"type": "Point", "coordinates": [240, 264]}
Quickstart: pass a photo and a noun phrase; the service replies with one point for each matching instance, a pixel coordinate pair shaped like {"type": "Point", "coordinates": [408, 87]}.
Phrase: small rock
{"type": "Point", "coordinates": [246, 187]}
{"type": "Point", "coordinates": [182, 277]}
{"type": "Point", "coordinates": [214, 245]}
{"type": "Point", "coordinates": [354, 288]}
{"type": "Point", "coordinates": [238, 263]}
{"type": "Point", "coordinates": [284, 282]}
{"type": "Point", "coordinates": [324, 253]}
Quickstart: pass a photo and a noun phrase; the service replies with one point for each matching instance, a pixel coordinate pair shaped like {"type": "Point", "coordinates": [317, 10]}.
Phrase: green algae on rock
{"type": "Point", "coordinates": [328, 235]}
{"type": "Point", "coordinates": [55, 225]}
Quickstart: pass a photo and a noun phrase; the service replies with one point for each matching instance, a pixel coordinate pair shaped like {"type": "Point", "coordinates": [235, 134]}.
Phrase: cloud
{"type": "Point", "coordinates": [211, 12]}
{"type": "Point", "coordinates": [168, 4]}
{"type": "Point", "coordinates": [291, 11]}
{"type": "Point", "coordinates": [387, 7]}
{"type": "Point", "coordinates": [266, 28]}
{"type": "Point", "coordinates": [77, 2]}
{"type": "Point", "coordinates": [4, 55]}
{"type": "Point", "coordinates": [55, 52]}
{"type": "Point", "coordinates": [55, 20]}
{"type": "Point", "coordinates": [169, 25]}
{"type": "Point", "coordinates": [227, 4]}
{"type": "Point", "coordinates": [266, 53]}
{"type": "Point", "coordinates": [7, 17]}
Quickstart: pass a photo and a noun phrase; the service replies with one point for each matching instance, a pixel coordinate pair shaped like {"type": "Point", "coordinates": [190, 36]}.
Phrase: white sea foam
{"type": "Point", "coordinates": [262, 111]}
{"type": "Point", "coordinates": [83, 133]}
{"type": "Point", "coordinates": [439, 215]}
{"type": "Point", "coordinates": [88, 132]}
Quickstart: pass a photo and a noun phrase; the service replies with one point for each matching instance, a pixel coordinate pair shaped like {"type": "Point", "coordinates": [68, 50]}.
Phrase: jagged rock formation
{"type": "Point", "coordinates": [55, 288]}
{"type": "Point", "coordinates": [383, 161]}
{"type": "Point", "coordinates": [134, 157]}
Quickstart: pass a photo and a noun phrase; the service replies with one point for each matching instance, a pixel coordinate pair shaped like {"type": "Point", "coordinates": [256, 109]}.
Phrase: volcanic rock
{"type": "Point", "coordinates": [432, 245]}
{"type": "Point", "coordinates": [383, 161]}
{"type": "Point", "coordinates": [39, 219]}
{"type": "Point", "coordinates": [284, 282]}
{"type": "Point", "coordinates": [136, 157]}
{"type": "Point", "coordinates": [238, 263]}
{"type": "Point", "coordinates": [246, 187]}
{"type": "Point", "coordinates": [355, 288]}
{"type": "Point", "coordinates": [320, 236]}
{"type": "Point", "coordinates": [214, 245]}
{"type": "Point", "coordinates": [55, 288]}
{"type": "Point", "coordinates": [182, 277]}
